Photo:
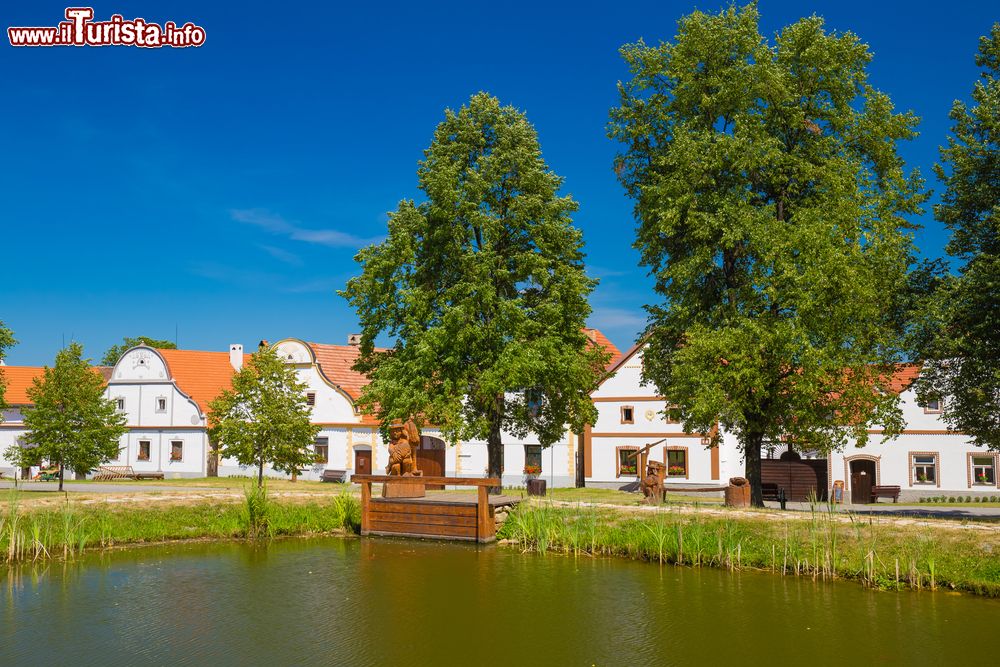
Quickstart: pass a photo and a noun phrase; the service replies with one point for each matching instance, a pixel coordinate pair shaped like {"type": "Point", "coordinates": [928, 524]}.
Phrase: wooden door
{"type": "Point", "coordinates": [362, 462]}
{"type": "Point", "coordinates": [862, 480]}
{"type": "Point", "coordinates": [431, 459]}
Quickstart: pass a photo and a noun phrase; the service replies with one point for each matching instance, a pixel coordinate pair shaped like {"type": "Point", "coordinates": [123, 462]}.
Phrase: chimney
{"type": "Point", "coordinates": [236, 355]}
{"type": "Point", "coordinates": [354, 339]}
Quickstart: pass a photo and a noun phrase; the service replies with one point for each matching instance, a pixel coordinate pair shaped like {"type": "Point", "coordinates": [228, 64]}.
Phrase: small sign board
{"type": "Point", "coordinates": [838, 491]}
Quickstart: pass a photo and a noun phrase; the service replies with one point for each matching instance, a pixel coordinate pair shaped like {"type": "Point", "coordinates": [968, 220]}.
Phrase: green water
{"type": "Point", "coordinates": [384, 602]}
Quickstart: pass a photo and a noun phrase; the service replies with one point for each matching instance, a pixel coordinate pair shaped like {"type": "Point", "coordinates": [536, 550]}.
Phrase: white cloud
{"type": "Point", "coordinates": [282, 255]}
{"type": "Point", "coordinates": [276, 224]}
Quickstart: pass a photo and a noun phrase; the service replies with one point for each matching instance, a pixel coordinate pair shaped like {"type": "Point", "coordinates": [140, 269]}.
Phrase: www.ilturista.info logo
{"type": "Point", "coordinates": [81, 30]}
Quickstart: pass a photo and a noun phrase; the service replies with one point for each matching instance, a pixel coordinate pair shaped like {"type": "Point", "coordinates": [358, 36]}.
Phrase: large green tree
{"type": "Point", "coordinates": [70, 423]}
{"type": "Point", "coordinates": [772, 212]}
{"type": "Point", "coordinates": [483, 290]}
{"type": "Point", "coordinates": [115, 352]}
{"type": "Point", "coordinates": [963, 358]}
{"type": "Point", "coordinates": [6, 342]}
{"type": "Point", "coordinates": [264, 418]}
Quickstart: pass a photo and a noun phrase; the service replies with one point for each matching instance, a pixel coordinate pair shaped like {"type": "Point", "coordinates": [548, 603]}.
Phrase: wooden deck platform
{"type": "Point", "coordinates": [446, 516]}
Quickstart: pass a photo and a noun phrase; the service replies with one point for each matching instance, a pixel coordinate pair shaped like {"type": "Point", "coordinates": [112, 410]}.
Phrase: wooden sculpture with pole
{"type": "Point", "coordinates": [404, 441]}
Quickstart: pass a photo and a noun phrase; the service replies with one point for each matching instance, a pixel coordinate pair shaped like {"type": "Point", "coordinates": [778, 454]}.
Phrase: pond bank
{"type": "Point", "coordinates": [882, 553]}
{"type": "Point", "coordinates": [879, 552]}
{"type": "Point", "coordinates": [68, 529]}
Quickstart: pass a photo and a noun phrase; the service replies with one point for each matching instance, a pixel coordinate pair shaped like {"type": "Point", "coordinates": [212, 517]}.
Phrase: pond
{"type": "Point", "coordinates": [399, 602]}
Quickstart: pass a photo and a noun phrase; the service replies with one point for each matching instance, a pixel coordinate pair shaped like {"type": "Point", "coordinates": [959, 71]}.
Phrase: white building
{"type": "Point", "coordinates": [926, 459]}
{"type": "Point", "coordinates": [631, 416]}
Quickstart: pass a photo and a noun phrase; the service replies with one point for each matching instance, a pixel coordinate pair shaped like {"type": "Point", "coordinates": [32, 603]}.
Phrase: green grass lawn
{"type": "Point", "coordinates": [615, 497]}
{"type": "Point", "coordinates": [227, 483]}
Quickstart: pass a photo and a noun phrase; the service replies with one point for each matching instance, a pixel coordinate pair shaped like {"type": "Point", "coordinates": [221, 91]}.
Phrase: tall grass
{"type": "Point", "coordinates": [66, 531]}
{"type": "Point", "coordinates": [258, 512]}
{"type": "Point", "coordinates": [879, 555]}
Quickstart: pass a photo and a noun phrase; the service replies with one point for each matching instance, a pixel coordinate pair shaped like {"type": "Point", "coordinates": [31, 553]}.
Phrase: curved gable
{"type": "Point", "coordinates": [141, 363]}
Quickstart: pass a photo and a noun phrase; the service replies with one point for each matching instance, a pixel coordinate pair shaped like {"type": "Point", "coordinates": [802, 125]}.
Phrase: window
{"type": "Point", "coordinates": [161, 404]}
{"type": "Point", "coordinates": [311, 398]}
{"type": "Point", "coordinates": [628, 461]}
{"type": "Point", "coordinates": [120, 404]}
{"type": "Point", "coordinates": [176, 450]}
{"type": "Point", "coordinates": [533, 401]}
{"type": "Point", "coordinates": [532, 459]}
{"type": "Point", "coordinates": [143, 450]}
{"type": "Point", "coordinates": [628, 414]}
{"type": "Point", "coordinates": [673, 414]}
{"type": "Point", "coordinates": [984, 470]}
{"type": "Point", "coordinates": [924, 468]}
{"type": "Point", "coordinates": [321, 449]}
{"type": "Point", "coordinates": [932, 406]}
{"type": "Point", "coordinates": [677, 463]}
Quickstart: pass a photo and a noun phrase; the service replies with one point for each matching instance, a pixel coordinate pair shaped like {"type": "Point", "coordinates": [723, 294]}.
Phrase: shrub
{"type": "Point", "coordinates": [258, 512]}
{"type": "Point", "coordinates": [951, 499]}
{"type": "Point", "coordinates": [968, 499]}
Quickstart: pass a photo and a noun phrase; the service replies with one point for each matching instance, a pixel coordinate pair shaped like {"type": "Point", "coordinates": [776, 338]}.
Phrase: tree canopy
{"type": "Point", "coordinates": [264, 418]}
{"type": "Point", "coordinates": [6, 342]}
{"type": "Point", "coordinates": [482, 289]}
{"type": "Point", "coordinates": [772, 211]}
{"type": "Point", "coordinates": [70, 422]}
{"type": "Point", "coordinates": [115, 352]}
{"type": "Point", "coordinates": [963, 354]}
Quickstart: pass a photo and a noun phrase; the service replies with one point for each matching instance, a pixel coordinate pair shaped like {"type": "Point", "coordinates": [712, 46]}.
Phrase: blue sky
{"type": "Point", "coordinates": [221, 192]}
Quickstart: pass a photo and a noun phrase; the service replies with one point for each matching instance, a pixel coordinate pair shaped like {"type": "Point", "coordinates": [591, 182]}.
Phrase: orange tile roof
{"type": "Point", "coordinates": [904, 376]}
{"type": "Point", "coordinates": [200, 375]}
{"type": "Point", "coordinates": [336, 361]}
{"type": "Point", "coordinates": [19, 379]}
{"type": "Point", "coordinates": [600, 339]}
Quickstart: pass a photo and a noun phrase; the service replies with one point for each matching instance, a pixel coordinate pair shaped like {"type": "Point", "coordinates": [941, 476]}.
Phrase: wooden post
{"type": "Point", "coordinates": [366, 497]}
{"type": "Point", "coordinates": [485, 526]}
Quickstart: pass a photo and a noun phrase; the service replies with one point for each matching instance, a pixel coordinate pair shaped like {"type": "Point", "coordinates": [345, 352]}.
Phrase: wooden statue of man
{"type": "Point", "coordinates": [404, 439]}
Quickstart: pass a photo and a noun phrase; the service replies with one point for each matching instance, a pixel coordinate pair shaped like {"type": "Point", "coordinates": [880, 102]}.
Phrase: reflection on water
{"type": "Point", "coordinates": [386, 602]}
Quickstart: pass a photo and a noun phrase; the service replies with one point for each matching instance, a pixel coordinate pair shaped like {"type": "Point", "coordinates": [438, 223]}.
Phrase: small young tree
{"type": "Point", "coordinates": [264, 418]}
{"type": "Point", "coordinates": [483, 288]}
{"type": "Point", "coordinates": [6, 342]}
{"type": "Point", "coordinates": [115, 352]}
{"type": "Point", "coordinates": [963, 354]}
{"type": "Point", "coordinates": [70, 423]}
{"type": "Point", "coordinates": [772, 212]}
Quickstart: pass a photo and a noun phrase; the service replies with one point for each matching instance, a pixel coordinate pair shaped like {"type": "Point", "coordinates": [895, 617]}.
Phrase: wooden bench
{"type": "Point", "coordinates": [769, 491]}
{"type": "Point", "coordinates": [333, 476]}
{"type": "Point", "coordinates": [885, 492]}
{"type": "Point", "coordinates": [108, 473]}
{"type": "Point", "coordinates": [443, 518]}
{"type": "Point", "coordinates": [149, 475]}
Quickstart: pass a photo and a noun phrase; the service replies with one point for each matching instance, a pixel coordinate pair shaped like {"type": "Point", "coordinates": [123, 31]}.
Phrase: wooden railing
{"type": "Point", "coordinates": [422, 516]}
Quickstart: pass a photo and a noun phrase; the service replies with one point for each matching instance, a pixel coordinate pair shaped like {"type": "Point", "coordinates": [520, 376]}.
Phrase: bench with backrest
{"type": "Point", "coordinates": [107, 473]}
{"type": "Point", "coordinates": [769, 491]}
{"type": "Point", "coordinates": [885, 492]}
{"type": "Point", "coordinates": [333, 475]}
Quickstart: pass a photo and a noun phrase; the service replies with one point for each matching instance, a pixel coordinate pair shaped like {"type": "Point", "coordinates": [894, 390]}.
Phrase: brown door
{"type": "Point", "coordinates": [430, 459]}
{"type": "Point", "coordinates": [362, 462]}
{"type": "Point", "coordinates": [862, 481]}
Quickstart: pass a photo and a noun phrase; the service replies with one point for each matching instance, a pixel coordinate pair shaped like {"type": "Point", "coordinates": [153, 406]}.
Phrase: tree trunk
{"type": "Point", "coordinates": [751, 454]}
{"type": "Point", "coordinates": [494, 444]}
{"type": "Point", "coordinates": [61, 470]}
{"type": "Point", "coordinates": [260, 474]}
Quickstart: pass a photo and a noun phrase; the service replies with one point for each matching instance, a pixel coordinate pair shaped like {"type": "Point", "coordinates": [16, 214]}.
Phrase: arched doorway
{"type": "Point", "coordinates": [864, 476]}
{"type": "Point", "coordinates": [431, 457]}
